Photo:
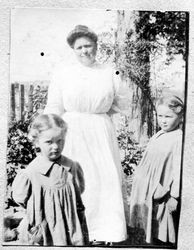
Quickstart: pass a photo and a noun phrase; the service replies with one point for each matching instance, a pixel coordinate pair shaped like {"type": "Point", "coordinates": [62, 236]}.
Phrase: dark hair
{"type": "Point", "coordinates": [80, 31]}
{"type": "Point", "coordinates": [174, 102]}
{"type": "Point", "coordinates": [45, 122]}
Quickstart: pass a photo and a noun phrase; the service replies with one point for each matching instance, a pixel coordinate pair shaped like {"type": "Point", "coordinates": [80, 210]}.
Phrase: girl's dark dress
{"type": "Point", "coordinates": [50, 192]}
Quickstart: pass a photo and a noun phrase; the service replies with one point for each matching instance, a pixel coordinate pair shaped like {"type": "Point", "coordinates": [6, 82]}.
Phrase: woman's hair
{"type": "Point", "coordinates": [173, 102]}
{"type": "Point", "coordinates": [80, 31]}
{"type": "Point", "coordinates": [45, 122]}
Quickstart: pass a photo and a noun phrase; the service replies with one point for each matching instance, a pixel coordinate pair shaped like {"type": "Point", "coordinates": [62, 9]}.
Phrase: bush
{"type": "Point", "coordinates": [131, 149]}
{"type": "Point", "coordinates": [20, 151]}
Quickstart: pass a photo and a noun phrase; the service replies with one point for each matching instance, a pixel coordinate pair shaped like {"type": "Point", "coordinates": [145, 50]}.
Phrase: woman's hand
{"type": "Point", "coordinates": [160, 192]}
{"type": "Point", "coordinates": [172, 204]}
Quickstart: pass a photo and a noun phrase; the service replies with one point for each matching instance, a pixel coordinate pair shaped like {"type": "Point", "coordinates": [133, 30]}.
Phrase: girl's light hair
{"type": "Point", "coordinates": [174, 103]}
{"type": "Point", "coordinates": [45, 122]}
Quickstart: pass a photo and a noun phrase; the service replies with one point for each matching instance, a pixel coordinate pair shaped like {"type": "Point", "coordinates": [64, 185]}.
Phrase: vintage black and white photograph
{"type": "Point", "coordinates": [97, 101]}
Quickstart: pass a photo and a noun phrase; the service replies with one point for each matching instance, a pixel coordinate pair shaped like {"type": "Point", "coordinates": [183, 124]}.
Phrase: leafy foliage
{"type": "Point", "coordinates": [134, 62]}
{"type": "Point", "coordinates": [106, 47]}
{"type": "Point", "coordinates": [132, 56]}
{"type": "Point", "coordinates": [132, 151]}
{"type": "Point", "coordinates": [170, 25]}
{"type": "Point", "coordinates": [134, 53]}
{"type": "Point", "coordinates": [20, 151]}
{"type": "Point", "coordinates": [37, 102]}
{"type": "Point", "coordinates": [39, 98]}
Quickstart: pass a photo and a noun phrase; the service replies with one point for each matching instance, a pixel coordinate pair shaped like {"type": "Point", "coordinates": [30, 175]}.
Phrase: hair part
{"type": "Point", "coordinates": [44, 122]}
{"type": "Point", "coordinates": [173, 102]}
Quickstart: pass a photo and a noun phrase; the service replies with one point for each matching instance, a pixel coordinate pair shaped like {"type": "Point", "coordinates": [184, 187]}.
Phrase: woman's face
{"type": "Point", "coordinates": [85, 50]}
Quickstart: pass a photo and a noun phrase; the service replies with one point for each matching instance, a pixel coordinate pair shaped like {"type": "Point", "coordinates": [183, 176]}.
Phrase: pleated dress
{"type": "Point", "coordinates": [50, 192]}
{"type": "Point", "coordinates": [84, 97]}
{"type": "Point", "coordinates": [158, 173]}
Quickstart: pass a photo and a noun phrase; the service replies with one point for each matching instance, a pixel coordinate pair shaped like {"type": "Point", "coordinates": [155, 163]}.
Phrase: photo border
{"type": "Point", "coordinates": [185, 241]}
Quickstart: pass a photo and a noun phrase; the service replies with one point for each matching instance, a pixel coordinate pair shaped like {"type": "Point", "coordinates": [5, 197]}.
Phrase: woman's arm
{"type": "Point", "coordinates": [122, 95]}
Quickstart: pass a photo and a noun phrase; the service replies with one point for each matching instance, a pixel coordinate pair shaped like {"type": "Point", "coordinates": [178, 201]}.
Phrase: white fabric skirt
{"type": "Point", "coordinates": [91, 141]}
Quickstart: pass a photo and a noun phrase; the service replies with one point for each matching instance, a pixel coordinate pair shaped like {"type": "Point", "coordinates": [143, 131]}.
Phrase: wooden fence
{"type": "Point", "coordinates": [26, 99]}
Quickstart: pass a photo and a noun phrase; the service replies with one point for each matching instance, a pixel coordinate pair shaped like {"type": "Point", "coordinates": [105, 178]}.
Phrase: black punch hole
{"type": "Point", "coordinates": [42, 53]}
{"type": "Point", "coordinates": [117, 72]}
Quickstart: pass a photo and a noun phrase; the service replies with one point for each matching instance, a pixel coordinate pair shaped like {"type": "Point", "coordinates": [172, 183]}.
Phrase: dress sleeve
{"type": "Point", "coordinates": [21, 188]}
{"type": "Point", "coordinates": [79, 177]}
{"type": "Point", "coordinates": [175, 187]}
{"type": "Point", "coordinates": [55, 100]}
{"type": "Point", "coordinates": [122, 95]}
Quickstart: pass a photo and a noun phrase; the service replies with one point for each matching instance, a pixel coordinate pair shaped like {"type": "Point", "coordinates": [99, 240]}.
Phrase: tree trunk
{"type": "Point", "coordinates": [129, 59]}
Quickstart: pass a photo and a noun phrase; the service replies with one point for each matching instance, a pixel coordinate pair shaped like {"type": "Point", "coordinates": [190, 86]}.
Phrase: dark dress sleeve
{"type": "Point", "coordinates": [79, 177]}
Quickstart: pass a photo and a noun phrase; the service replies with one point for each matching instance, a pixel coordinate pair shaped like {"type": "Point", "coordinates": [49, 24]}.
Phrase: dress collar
{"type": "Point", "coordinates": [43, 165]}
{"type": "Point", "coordinates": [94, 65]}
{"type": "Point", "coordinates": [161, 132]}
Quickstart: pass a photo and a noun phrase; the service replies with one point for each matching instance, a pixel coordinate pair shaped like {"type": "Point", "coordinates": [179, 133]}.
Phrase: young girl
{"type": "Point", "coordinates": [49, 188]}
{"type": "Point", "coordinates": [155, 190]}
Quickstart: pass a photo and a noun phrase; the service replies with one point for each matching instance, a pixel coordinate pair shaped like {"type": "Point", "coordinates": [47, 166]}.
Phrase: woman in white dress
{"type": "Point", "coordinates": [84, 95]}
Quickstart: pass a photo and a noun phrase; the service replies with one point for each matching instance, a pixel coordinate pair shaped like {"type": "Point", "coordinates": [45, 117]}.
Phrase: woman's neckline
{"type": "Point", "coordinates": [95, 64]}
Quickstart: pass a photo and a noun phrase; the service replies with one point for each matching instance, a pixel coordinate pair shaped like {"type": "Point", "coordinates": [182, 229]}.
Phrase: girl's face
{"type": "Point", "coordinates": [168, 120]}
{"type": "Point", "coordinates": [51, 143]}
{"type": "Point", "coordinates": [85, 50]}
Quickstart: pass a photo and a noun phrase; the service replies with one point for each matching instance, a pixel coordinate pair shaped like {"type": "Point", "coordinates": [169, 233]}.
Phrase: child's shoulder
{"type": "Point", "coordinates": [38, 165]}
{"type": "Point", "coordinates": [155, 136]}
{"type": "Point", "coordinates": [161, 136]}
{"type": "Point", "coordinates": [34, 163]}
{"type": "Point", "coordinates": [76, 170]}
{"type": "Point", "coordinates": [174, 133]}
{"type": "Point", "coordinates": [26, 173]}
{"type": "Point", "coordinates": [74, 166]}
{"type": "Point", "coordinates": [31, 168]}
{"type": "Point", "coordinates": [67, 162]}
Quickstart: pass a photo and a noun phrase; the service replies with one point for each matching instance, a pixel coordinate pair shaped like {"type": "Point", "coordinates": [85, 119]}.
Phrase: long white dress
{"type": "Point", "coordinates": [83, 96]}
